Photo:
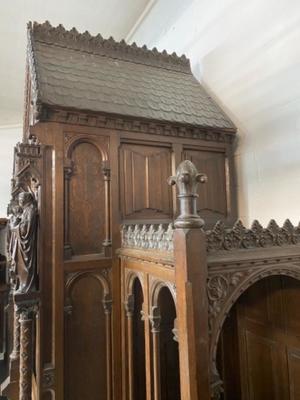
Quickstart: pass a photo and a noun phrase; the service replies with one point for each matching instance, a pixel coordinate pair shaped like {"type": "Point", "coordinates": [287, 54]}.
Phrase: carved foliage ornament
{"type": "Point", "coordinates": [239, 237]}
{"type": "Point", "coordinates": [219, 287]}
{"type": "Point", "coordinates": [220, 238]}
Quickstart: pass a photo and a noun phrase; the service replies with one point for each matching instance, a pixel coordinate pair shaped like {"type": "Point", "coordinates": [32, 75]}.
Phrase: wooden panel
{"type": "Point", "coordinates": [255, 305]}
{"type": "Point", "coordinates": [86, 201]}
{"type": "Point", "coordinates": [212, 201]}
{"type": "Point", "coordinates": [228, 358]}
{"type": "Point", "coordinates": [269, 342]}
{"type": "Point", "coordinates": [85, 342]}
{"type": "Point", "coordinates": [143, 168]}
{"type": "Point", "coordinates": [294, 373]}
{"type": "Point", "coordinates": [291, 289]}
{"type": "Point", "coordinates": [261, 366]}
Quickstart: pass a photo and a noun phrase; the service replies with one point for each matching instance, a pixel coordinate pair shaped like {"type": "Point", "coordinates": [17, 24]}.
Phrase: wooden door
{"type": "Point", "coordinates": [268, 321]}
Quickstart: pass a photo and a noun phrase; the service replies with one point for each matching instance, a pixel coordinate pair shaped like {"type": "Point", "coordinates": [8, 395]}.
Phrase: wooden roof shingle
{"type": "Point", "coordinates": [85, 72]}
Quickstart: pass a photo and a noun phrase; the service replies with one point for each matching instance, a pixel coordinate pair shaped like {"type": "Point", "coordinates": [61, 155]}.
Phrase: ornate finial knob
{"type": "Point", "coordinates": [187, 179]}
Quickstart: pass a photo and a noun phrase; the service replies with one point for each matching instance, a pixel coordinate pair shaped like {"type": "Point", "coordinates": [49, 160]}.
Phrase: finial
{"type": "Point", "coordinates": [187, 179]}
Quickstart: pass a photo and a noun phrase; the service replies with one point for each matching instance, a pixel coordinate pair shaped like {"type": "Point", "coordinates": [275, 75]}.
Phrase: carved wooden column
{"type": "Point", "coordinates": [155, 330]}
{"type": "Point", "coordinates": [129, 307]}
{"type": "Point", "coordinates": [107, 240]}
{"type": "Point", "coordinates": [68, 172]}
{"type": "Point", "coordinates": [191, 278]}
{"type": "Point", "coordinates": [107, 304]}
{"type": "Point", "coordinates": [28, 305]}
{"type": "Point", "coordinates": [15, 354]}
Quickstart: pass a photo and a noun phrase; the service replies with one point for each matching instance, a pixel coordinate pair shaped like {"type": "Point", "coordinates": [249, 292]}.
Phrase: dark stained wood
{"type": "Point", "coordinates": [97, 172]}
{"type": "Point", "coordinates": [267, 324]}
{"type": "Point", "coordinates": [213, 198]}
{"type": "Point", "coordinates": [142, 168]}
{"type": "Point", "coordinates": [228, 358]}
{"type": "Point", "coordinates": [87, 219]}
{"type": "Point", "coordinates": [85, 342]}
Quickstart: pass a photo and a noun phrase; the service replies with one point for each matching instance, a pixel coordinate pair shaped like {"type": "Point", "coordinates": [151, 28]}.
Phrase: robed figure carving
{"type": "Point", "coordinates": [22, 243]}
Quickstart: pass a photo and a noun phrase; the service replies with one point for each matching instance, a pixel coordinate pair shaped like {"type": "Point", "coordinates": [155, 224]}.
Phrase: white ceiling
{"type": "Point", "coordinates": [109, 17]}
{"type": "Point", "coordinates": [247, 54]}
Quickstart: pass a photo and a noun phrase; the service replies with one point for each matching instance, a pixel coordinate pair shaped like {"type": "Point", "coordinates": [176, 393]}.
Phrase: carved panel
{"type": "Point", "coordinates": [143, 168]}
{"type": "Point", "coordinates": [86, 200]}
{"type": "Point", "coordinates": [157, 237]}
{"type": "Point", "coordinates": [86, 337]}
{"type": "Point", "coordinates": [212, 202]}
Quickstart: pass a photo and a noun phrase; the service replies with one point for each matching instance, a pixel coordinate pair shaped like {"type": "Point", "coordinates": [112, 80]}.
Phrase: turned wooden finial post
{"type": "Point", "coordinates": [191, 278]}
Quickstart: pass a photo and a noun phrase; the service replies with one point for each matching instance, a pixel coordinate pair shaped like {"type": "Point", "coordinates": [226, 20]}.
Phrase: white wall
{"type": "Point", "coordinates": [9, 136]}
{"type": "Point", "coordinates": [247, 55]}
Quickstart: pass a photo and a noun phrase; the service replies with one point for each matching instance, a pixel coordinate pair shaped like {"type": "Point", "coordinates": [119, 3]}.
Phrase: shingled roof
{"type": "Point", "coordinates": [84, 72]}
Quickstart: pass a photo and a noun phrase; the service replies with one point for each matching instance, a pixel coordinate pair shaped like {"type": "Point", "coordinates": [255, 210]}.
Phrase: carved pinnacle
{"type": "Point", "coordinates": [187, 179]}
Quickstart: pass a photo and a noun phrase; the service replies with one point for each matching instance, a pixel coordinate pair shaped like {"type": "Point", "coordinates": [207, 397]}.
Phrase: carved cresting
{"type": "Point", "coordinates": [239, 237]}
{"type": "Point", "coordinates": [187, 179]}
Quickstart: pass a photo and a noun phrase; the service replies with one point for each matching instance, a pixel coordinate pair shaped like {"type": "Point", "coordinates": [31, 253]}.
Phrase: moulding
{"type": "Point", "coordinates": [48, 113]}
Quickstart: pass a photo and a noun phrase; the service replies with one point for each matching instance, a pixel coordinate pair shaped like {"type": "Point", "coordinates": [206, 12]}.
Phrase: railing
{"type": "Point", "coordinates": [219, 238]}
{"type": "Point", "coordinates": [212, 267]}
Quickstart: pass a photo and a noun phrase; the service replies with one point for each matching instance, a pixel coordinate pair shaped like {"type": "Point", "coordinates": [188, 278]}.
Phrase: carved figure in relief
{"type": "Point", "coordinates": [14, 218]}
{"type": "Point", "coordinates": [22, 238]}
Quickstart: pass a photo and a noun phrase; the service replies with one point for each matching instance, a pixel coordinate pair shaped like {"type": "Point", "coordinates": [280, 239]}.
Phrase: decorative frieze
{"type": "Point", "coordinates": [151, 237]}
{"type": "Point", "coordinates": [219, 238]}
{"type": "Point", "coordinates": [46, 113]}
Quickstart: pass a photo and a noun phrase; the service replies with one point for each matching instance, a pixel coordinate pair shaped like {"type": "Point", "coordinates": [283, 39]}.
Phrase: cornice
{"type": "Point", "coordinates": [48, 113]}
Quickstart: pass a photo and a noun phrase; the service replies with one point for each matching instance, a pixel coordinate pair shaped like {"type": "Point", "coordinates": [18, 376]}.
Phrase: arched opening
{"type": "Point", "coordinates": [139, 373]}
{"type": "Point", "coordinates": [259, 348]}
{"type": "Point", "coordinates": [168, 347]}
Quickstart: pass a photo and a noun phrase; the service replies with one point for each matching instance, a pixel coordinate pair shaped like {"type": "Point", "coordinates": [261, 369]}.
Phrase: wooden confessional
{"type": "Point", "coordinates": [117, 288]}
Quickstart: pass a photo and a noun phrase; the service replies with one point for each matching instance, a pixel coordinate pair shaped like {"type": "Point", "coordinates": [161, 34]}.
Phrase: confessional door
{"type": "Point", "coordinates": [267, 329]}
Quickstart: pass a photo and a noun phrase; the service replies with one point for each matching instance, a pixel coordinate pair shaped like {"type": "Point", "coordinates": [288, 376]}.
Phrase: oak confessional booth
{"type": "Point", "coordinates": [117, 289]}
